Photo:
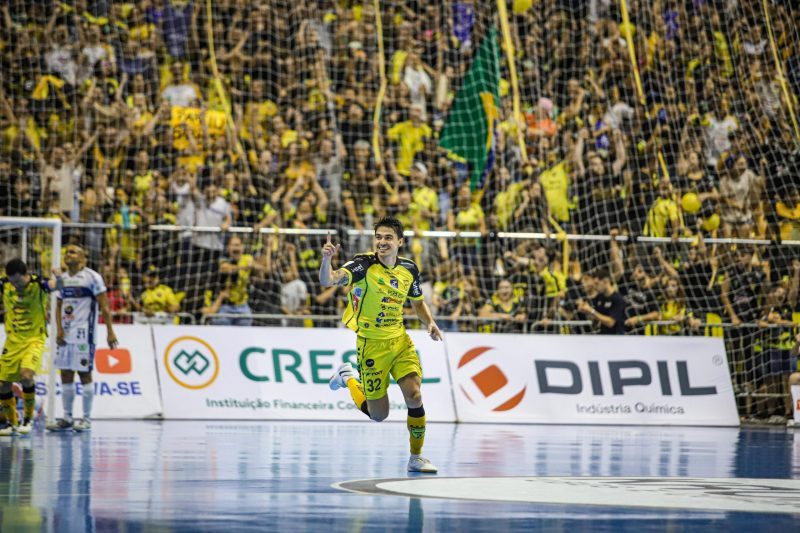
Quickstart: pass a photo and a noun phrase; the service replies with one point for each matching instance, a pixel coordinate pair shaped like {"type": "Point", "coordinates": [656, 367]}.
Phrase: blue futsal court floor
{"type": "Point", "coordinates": [132, 476]}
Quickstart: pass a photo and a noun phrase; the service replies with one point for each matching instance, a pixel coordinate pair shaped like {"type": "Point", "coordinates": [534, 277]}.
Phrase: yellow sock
{"type": "Point", "coordinates": [416, 429]}
{"type": "Point", "coordinates": [358, 395]}
{"type": "Point", "coordinates": [29, 401]}
{"type": "Point", "coordinates": [9, 404]}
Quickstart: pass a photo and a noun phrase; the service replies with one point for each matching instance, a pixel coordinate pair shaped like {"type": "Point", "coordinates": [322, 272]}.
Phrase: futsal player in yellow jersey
{"type": "Point", "coordinates": [380, 282]}
{"type": "Point", "coordinates": [25, 304]}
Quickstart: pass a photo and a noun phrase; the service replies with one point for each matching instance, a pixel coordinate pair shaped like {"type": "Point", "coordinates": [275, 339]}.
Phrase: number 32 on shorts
{"type": "Point", "coordinates": [372, 385]}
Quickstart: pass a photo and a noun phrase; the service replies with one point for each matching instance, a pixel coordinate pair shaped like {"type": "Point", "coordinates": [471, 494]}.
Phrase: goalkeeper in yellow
{"type": "Point", "coordinates": [380, 282]}
{"type": "Point", "coordinates": [25, 305]}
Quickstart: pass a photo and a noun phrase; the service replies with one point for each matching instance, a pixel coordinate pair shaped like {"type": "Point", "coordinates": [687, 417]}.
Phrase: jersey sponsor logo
{"type": "Point", "coordinates": [116, 361]}
{"type": "Point", "coordinates": [393, 283]}
{"type": "Point", "coordinates": [390, 300]}
{"type": "Point", "coordinates": [191, 362]}
{"type": "Point", "coordinates": [477, 369]}
{"type": "Point", "coordinates": [77, 292]}
{"type": "Point", "coordinates": [357, 292]}
{"type": "Point", "coordinates": [370, 362]}
{"type": "Point", "coordinates": [396, 294]}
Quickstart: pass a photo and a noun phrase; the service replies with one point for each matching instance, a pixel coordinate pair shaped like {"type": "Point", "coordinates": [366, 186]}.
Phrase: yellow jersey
{"type": "Point", "coordinates": [424, 198]}
{"type": "Point", "coordinates": [555, 183]}
{"type": "Point", "coordinates": [26, 313]}
{"type": "Point", "coordinates": [788, 220]}
{"type": "Point", "coordinates": [237, 283]}
{"type": "Point", "coordinates": [672, 310]}
{"type": "Point", "coordinates": [555, 282]}
{"type": "Point", "coordinates": [505, 203]}
{"type": "Point", "coordinates": [411, 139]}
{"type": "Point", "coordinates": [378, 292]}
{"type": "Point", "coordinates": [216, 121]}
{"type": "Point", "coordinates": [190, 118]}
{"type": "Point", "coordinates": [469, 220]}
{"type": "Point", "coordinates": [664, 210]}
{"type": "Point", "coordinates": [159, 300]}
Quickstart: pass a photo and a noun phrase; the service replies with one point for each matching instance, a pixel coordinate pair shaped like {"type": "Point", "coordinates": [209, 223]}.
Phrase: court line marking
{"type": "Point", "coordinates": [687, 493]}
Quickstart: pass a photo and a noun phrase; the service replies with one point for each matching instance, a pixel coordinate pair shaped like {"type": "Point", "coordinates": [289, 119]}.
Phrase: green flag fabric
{"type": "Point", "coordinates": [470, 130]}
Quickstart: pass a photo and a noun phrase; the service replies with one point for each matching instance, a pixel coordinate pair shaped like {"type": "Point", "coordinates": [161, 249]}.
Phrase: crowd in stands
{"type": "Point", "coordinates": [149, 113]}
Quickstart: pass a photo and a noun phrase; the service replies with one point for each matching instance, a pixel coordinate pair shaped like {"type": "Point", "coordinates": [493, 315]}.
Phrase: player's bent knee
{"type": "Point", "coordinates": [26, 375]}
{"type": "Point", "coordinates": [794, 379]}
{"type": "Point", "coordinates": [378, 417]}
{"type": "Point", "coordinates": [414, 398]}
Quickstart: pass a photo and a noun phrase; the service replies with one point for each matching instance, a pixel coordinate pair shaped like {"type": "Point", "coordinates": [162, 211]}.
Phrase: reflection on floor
{"type": "Point", "coordinates": [280, 476]}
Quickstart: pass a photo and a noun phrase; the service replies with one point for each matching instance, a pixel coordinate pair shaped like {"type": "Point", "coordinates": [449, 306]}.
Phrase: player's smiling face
{"type": "Point", "coordinates": [387, 243]}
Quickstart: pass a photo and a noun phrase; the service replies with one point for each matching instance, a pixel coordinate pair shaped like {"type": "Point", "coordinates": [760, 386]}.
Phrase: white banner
{"type": "Point", "coordinates": [226, 372]}
{"type": "Point", "coordinates": [585, 379]}
{"type": "Point", "coordinates": [125, 381]}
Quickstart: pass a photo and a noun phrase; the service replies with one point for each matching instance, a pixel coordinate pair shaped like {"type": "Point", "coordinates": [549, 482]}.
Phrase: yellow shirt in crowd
{"type": "Point", "coordinates": [159, 300]}
{"type": "Point", "coordinates": [411, 139]}
{"type": "Point", "coordinates": [664, 210]}
{"type": "Point", "coordinates": [555, 183]}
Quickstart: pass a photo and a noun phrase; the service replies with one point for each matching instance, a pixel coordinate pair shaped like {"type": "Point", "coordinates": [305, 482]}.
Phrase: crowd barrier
{"type": "Point", "coordinates": [263, 373]}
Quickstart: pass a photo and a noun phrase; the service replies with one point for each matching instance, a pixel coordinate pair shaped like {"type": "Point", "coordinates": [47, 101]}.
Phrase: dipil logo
{"type": "Point", "coordinates": [191, 362]}
{"type": "Point", "coordinates": [489, 385]}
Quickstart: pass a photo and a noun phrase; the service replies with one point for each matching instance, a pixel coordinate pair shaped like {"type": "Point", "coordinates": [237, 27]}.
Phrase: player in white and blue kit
{"type": "Point", "coordinates": [80, 292]}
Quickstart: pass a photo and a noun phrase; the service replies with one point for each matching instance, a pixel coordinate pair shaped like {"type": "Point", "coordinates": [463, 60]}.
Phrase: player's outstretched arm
{"type": "Point", "coordinates": [327, 276]}
{"type": "Point", "coordinates": [424, 314]}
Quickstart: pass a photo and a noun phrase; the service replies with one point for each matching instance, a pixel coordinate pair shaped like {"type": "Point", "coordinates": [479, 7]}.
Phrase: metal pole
{"type": "Point", "coordinates": [51, 376]}
{"type": "Point", "coordinates": [23, 253]}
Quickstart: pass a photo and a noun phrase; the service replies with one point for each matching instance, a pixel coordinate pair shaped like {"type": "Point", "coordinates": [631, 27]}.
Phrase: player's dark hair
{"type": "Point", "coordinates": [390, 222]}
{"type": "Point", "coordinates": [16, 267]}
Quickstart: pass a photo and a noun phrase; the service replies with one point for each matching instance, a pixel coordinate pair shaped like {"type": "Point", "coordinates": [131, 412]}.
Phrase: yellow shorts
{"type": "Point", "coordinates": [18, 354]}
{"type": "Point", "coordinates": [378, 358]}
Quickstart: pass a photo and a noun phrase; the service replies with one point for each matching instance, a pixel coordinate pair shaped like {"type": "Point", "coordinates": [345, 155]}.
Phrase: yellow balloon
{"type": "Point", "coordinates": [521, 6]}
{"type": "Point", "coordinates": [690, 203]}
{"type": "Point", "coordinates": [710, 223]}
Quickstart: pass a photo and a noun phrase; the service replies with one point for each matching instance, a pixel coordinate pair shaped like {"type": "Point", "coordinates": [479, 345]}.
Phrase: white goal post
{"type": "Point", "coordinates": [26, 227]}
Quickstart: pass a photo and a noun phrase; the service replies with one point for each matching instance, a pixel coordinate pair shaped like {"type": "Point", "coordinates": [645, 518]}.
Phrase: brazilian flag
{"type": "Point", "coordinates": [471, 127]}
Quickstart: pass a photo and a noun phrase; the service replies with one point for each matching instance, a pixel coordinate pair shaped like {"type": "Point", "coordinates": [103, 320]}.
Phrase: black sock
{"type": "Point", "coordinates": [416, 412]}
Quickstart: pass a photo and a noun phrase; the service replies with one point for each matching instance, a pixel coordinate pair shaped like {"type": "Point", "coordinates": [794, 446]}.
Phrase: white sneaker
{"type": "Point", "coordinates": [26, 427]}
{"type": "Point", "coordinates": [417, 463]}
{"type": "Point", "coordinates": [792, 424]}
{"type": "Point", "coordinates": [60, 424]}
{"type": "Point", "coordinates": [8, 430]}
{"type": "Point", "coordinates": [341, 377]}
{"type": "Point", "coordinates": [82, 424]}
{"type": "Point", "coordinates": [777, 420]}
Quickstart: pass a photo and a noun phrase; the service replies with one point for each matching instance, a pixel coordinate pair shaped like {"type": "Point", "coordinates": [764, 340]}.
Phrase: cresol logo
{"type": "Point", "coordinates": [483, 383]}
{"type": "Point", "coordinates": [191, 362]}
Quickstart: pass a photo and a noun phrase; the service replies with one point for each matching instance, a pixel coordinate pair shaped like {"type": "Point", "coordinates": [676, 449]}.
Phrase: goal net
{"type": "Point", "coordinates": [531, 146]}
{"type": "Point", "coordinates": [37, 241]}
